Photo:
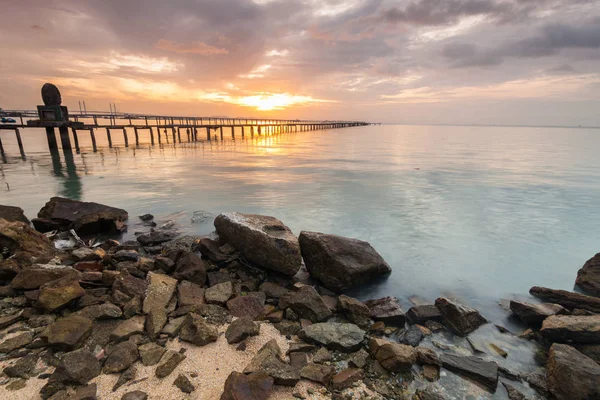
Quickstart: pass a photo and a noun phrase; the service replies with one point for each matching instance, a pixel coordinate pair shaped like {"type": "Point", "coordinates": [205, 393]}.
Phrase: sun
{"type": "Point", "coordinates": [273, 101]}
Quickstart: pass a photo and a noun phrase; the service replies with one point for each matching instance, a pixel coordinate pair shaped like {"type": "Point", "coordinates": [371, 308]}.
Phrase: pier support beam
{"type": "Point", "coordinates": [208, 133]}
{"type": "Point", "coordinates": [125, 137]}
{"type": "Point", "coordinates": [2, 151]}
{"type": "Point", "coordinates": [137, 138]}
{"type": "Point", "coordinates": [65, 140]}
{"type": "Point", "coordinates": [93, 137]}
{"type": "Point", "coordinates": [109, 138]}
{"type": "Point", "coordinates": [19, 142]}
{"type": "Point", "coordinates": [51, 136]}
{"type": "Point", "coordinates": [75, 139]}
{"type": "Point", "coordinates": [221, 132]}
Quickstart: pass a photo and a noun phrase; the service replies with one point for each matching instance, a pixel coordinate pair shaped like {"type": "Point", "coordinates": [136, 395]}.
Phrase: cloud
{"type": "Point", "coordinates": [198, 47]}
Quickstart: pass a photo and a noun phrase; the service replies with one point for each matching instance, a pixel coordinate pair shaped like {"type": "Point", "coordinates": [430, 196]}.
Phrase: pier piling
{"type": "Point", "coordinates": [51, 136]}
{"type": "Point", "coordinates": [93, 137]}
{"type": "Point", "coordinates": [65, 140]}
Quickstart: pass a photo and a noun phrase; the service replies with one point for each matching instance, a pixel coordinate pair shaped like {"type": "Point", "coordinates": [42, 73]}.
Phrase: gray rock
{"type": "Point", "coordinates": [23, 367]}
{"type": "Point", "coordinates": [461, 319]}
{"type": "Point", "coordinates": [151, 353]}
{"type": "Point", "coordinates": [473, 367]}
{"type": "Point", "coordinates": [282, 373]}
{"type": "Point", "coordinates": [268, 349]}
{"type": "Point", "coordinates": [156, 237]}
{"type": "Point", "coordinates": [423, 313]}
{"type": "Point", "coordinates": [240, 329]}
{"type": "Point", "coordinates": [135, 395]}
{"type": "Point", "coordinates": [173, 326]}
{"type": "Point", "coordinates": [169, 361]}
{"type": "Point", "coordinates": [535, 314]}
{"type": "Point", "coordinates": [307, 303]}
{"type": "Point", "coordinates": [387, 310]}
{"type": "Point", "coordinates": [189, 294]}
{"type": "Point", "coordinates": [262, 240]}
{"type": "Point", "coordinates": [572, 328]}
{"type": "Point", "coordinates": [571, 375]}
{"type": "Point", "coordinates": [196, 330]}
{"type": "Point", "coordinates": [411, 336]}
{"type": "Point", "coordinates": [121, 357]}
{"type": "Point", "coordinates": [160, 290]}
{"type": "Point", "coordinates": [335, 335]}
{"type": "Point", "coordinates": [16, 342]}
{"type": "Point", "coordinates": [339, 262]}
{"type": "Point", "coordinates": [126, 255]}
{"type": "Point", "coordinates": [80, 366]}
{"type": "Point", "coordinates": [356, 311]}
{"type": "Point", "coordinates": [219, 293]}
{"type": "Point", "coordinates": [127, 328]}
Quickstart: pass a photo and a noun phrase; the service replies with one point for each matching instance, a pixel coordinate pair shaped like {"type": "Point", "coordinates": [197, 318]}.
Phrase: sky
{"type": "Point", "coordinates": [522, 62]}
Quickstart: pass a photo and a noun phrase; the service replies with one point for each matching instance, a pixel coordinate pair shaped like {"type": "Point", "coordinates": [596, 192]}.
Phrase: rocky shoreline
{"type": "Point", "coordinates": [254, 312]}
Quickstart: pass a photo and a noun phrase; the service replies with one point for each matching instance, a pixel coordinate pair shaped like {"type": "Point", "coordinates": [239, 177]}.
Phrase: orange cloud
{"type": "Point", "coordinates": [200, 48]}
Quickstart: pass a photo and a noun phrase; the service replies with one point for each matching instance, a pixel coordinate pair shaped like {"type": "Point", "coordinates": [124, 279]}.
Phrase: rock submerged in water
{"type": "Point", "coordinates": [588, 277]}
{"type": "Point", "coordinates": [339, 262]}
{"type": "Point", "coordinates": [387, 310]}
{"type": "Point", "coordinates": [461, 319]}
{"type": "Point", "coordinates": [85, 218]}
{"type": "Point", "coordinates": [262, 240]}
{"type": "Point", "coordinates": [572, 375]}
{"type": "Point", "coordinates": [473, 367]}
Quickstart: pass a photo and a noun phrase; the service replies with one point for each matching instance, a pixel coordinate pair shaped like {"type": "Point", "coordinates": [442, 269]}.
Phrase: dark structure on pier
{"type": "Point", "coordinates": [54, 115]}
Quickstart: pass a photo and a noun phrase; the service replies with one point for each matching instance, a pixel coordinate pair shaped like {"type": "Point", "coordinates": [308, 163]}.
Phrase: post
{"type": "Point", "coordinates": [243, 129]}
{"type": "Point", "coordinates": [125, 137]}
{"type": "Point", "coordinates": [208, 133]}
{"type": "Point", "coordinates": [1, 149]}
{"type": "Point", "coordinates": [65, 140]}
{"type": "Point", "coordinates": [76, 139]}
{"type": "Point", "coordinates": [51, 136]}
{"type": "Point", "coordinates": [151, 136]}
{"type": "Point", "coordinates": [159, 138]}
{"type": "Point", "coordinates": [137, 138]}
{"type": "Point", "coordinates": [19, 142]}
{"type": "Point", "coordinates": [93, 139]}
{"type": "Point", "coordinates": [173, 132]}
{"type": "Point", "coordinates": [109, 138]}
{"type": "Point", "coordinates": [259, 130]}
{"type": "Point", "coordinates": [221, 131]}
{"type": "Point", "coordinates": [233, 132]}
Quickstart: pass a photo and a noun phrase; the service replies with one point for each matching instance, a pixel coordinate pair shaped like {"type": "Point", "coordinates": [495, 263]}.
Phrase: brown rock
{"type": "Point", "coordinates": [169, 361]}
{"type": "Point", "coordinates": [571, 375]}
{"type": "Point", "coordinates": [396, 357]}
{"type": "Point", "coordinates": [210, 249]}
{"type": "Point", "coordinates": [307, 303]}
{"type": "Point", "coordinates": [245, 306]}
{"type": "Point", "coordinates": [462, 320]}
{"type": "Point", "coordinates": [431, 372]}
{"type": "Point", "coordinates": [159, 291]}
{"type": "Point", "coordinates": [80, 366]}
{"type": "Point", "coordinates": [184, 384]}
{"type": "Point", "coordinates": [567, 299]}
{"type": "Point", "coordinates": [189, 294]}
{"type": "Point", "coordinates": [127, 328]}
{"type": "Point", "coordinates": [122, 356]}
{"type": "Point", "coordinates": [190, 267]}
{"type": "Point", "coordinates": [347, 378]}
{"type": "Point", "coordinates": [196, 330]}
{"type": "Point", "coordinates": [535, 314]}
{"type": "Point", "coordinates": [421, 314]}
{"type": "Point", "coordinates": [151, 353]}
{"type": "Point", "coordinates": [13, 214]}
{"type": "Point", "coordinates": [356, 311]}
{"type": "Point", "coordinates": [58, 293]}
{"type": "Point", "coordinates": [572, 328]}
{"type": "Point", "coordinates": [68, 333]}
{"type": "Point", "coordinates": [16, 342]}
{"type": "Point", "coordinates": [130, 285]}
{"type": "Point", "coordinates": [240, 329]}
{"type": "Point", "coordinates": [317, 373]}
{"type": "Point", "coordinates": [256, 386]}
{"type": "Point", "coordinates": [387, 310]}
{"type": "Point", "coordinates": [25, 245]}
{"type": "Point", "coordinates": [33, 278]}
{"type": "Point", "coordinates": [219, 293]}
{"type": "Point", "coordinates": [588, 277]}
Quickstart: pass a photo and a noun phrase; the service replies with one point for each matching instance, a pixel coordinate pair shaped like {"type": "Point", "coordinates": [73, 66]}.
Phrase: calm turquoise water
{"type": "Point", "coordinates": [481, 212]}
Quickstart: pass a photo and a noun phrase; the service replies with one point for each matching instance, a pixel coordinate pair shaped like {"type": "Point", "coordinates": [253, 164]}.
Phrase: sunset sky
{"type": "Point", "coordinates": [415, 61]}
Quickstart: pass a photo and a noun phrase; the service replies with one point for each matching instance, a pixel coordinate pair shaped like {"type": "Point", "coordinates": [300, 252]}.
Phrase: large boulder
{"type": "Point", "coordinates": [572, 328]}
{"type": "Point", "coordinates": [588, 277]}
{"type": "Point", "coordinates": [473, 367]}
{"type": "Point", "coordinates": [25, 246]}
{"type": "Point", "coordinates": [567, 299]}
{"type": "Point", "coordinates": [85, 218]}
{"type": "Point", "coordinates": [339, 262]}
{"type": "Point", "coordinates": [262, 240]}
{"type": "Point", "coordinates": [335, 335]}
{"type": "Point", "coordinates": [535, 314]}
{"type": "Point", "coordinates": [255, 386]}
{"type": "Point", "coordinates": [571, 375]}
{"type": "Point", "coordinates": [13, 214]}
{"type": "Point", "coordinates": [461, 319]}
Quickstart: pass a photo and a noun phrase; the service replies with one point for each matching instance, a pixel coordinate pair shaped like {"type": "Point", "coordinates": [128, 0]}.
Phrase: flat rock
{"type": "Point", "coordinates": [572, 375]}
{"type": "Point", "coordinates": [282, 373]}
{"type": "Point", "coordinates": [159, 291]}
{"type": "Point", "coordinates": [307, 303]}
{"type": "Point", "coordinates": [25, 245]}
{"type": "Point", "coordinates": [68, 333]}
{"type": "Point", "coordinates": [127, 328]}
{"type": "Point", "coordinates": [346, 378]}
{"type": "Point", "coordinates": [240, 329]}
{"type": "Point", "coordinates": [155, 322]}
{"type": "Point", "coordinates": [535, 314]}
{"type": "Point", "coordinates": [485, 372]}
{"type": "Point", "coordinates": [461, 319]}
{"type": "Point", "coordinates": [100, 311]}
{"type": "Point", "coordinates": [423, 313]}
{"type": "Point", "coordinates": [56, 294]}
{"type": "Point", "coordinates": [16, 342]}
{"type": "Point", "coordinates": [156, 237]}
{"type": "Point", "coordinates": [126, 255]}
{"type": "Point", "coordinates": [169, 361]}
{"type": "Point", "coordinates": [387, 310]}
{"type": "Point", "coordinates": [130, 285]}
{"type": "Point", "coordinates": [189, 294]}
{"type": "Point", "coordinates": [87, 392]}
{"type": "Point", "coordinates": [23, 367]}
{"type": "Point", "coordinates": [588, 277]}
{"type": "Point", "coordinates": [273, 290]}
{"type": "Point", "coordinates": [567, 299]}
{"type": "Point", "coordinates": [317, 373]}
{"type": "Point", "coordinates": [268, 349]}
{"type": "Point", "coordinates": [339, 262]}
{"type": "Point", "coordinates": [219, 293]}
{"type": "Point", "coordinates": [262, 240]}
{"type": "Point", "coordinates": [411, 336]}
{"type": "Point", "coordinates": [121, 357]}
{"type": "Point", "coordinates": [151, 353]}
{"type": "Point", "coordinates": [396, 357]}
{"type": "Point", "coordinates": [135, 395]}
{"type": "Point", "coordinates": [33, 278]}
{"type": "Point", "coordinates": [356, 311]}
{"type": "Point", "coordinates": [335, 335]}
{"type": "Point", "coordinates": [12, 214]}
{"type": "Point", "coordinates": [255, 386]}
{"type": "Point", "coordinates": [85, 218]}
{"type": "Point", "coordinates": [245, 306]}
{"type": "Point", "coordinates": [80, 366]}
{"type": "Point", "coordinates": [572, 328]}
{"type": "Point", "coordinates": [196, 330]}
{"type": "Point", "coordinates": [8, 320]}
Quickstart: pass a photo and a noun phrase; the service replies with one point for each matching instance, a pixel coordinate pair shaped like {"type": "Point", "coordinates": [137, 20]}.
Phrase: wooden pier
{"type": "Point", "coordinates": [194, 129]}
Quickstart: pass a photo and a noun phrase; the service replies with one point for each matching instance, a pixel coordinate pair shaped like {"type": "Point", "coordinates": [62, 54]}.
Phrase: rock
{"type": "Point", "coordinates": [127, 376]}
{"type": "Point", "coordinates": [358, 359]}
{"type": "Point", "coordinates": [421, 314]}
{"type": "Point", "coordinates": [534, 314]}
{"type": "Point", "coordinates": [196, 330]}
{"type": "Point", "coordinates": [273, 290]}
{"type": "Point", "coordinates": [335, 335]}
{"type": "Point", "coordinates": [269, 348]}
{"type": "Point", "coordinates": [346, 378]}
{"type": "Point", "coordinates": [339, 262]}
{"type": "Point", "coordinates": [127, 328]}
{"type": "Point", "coordinates": [299, 360]}
{"type": "Point", "coordinates": [462, 320]}
{"type": "Point", "coordinates": [87, 254]}
{"type": "Point", "coordinates": [80, 366]}
{"type": "Point", "coordinates": [245, 306]}
{"type": "Point", "coordinates": [135, 395]}
{"type": "Point", "coordinates": [58, 293]}
{"type": "Point", "coordinates": [513, 393]}
{"type": "Point", "coordinates": [184, 384]}
{"type": "Point", "coordinates": [173, 326]}
{"type": "Point", "coordinates": [426, 356]}
{"type": "Point", "coordinates": [189, 294]}
{"type": "Point", "coordinates": [190, 267]}
{"type": "Point", "coordinates": [210, 249]}
{"type": "Point", "coordinates": [33, 278]}
{"type": "Point", "coordinates": [322, 355]}
{"type": "Point", "coordinates": [164, 263]}
{"type": "Point", "coordinates": [572, 375]}
{"type": "Point", "coordinates": [396, 357]}
{"type": "Point", "coordinates": [387, 310]}
{"type": "Point", "coordinates": [169, 361]}
{"type": "Point", "coordinates": [85, 218]}
{"type": "Point", "coordinates": [219, 293]}
{"type": "Point", "coordinates": [356, 311]}
{"type": "Point", "coordinates": [24, 244]}
{"type": "Point", "coordinates": [262, 240]}
{"type": "Point", "coordinates": [473, 367]}
{"type": "Point", "coordinates": [126, 255]}
{"type": "Point", "coordinates": [23, 367]}
{"type": "Point", "coordinates": [216, 277]}
{"type": "Point", "coordinates": [255, 386]}
{"type": "Point", "coordinates": [12, 214]}
{"type": "Point", "coordinates": [566, 299]}
{"type": "Point", "coordinates": [146, 217]}
{"type": "Point", "coordinates": [286, 327]}
{"type": "Point", "coordinates": [151, 353]}
{"type": "Point", "coordinates": [130, 285]}
{"type": "Point", "coordinates": [100, 311]}
{"type": "Point", "coordinates": [240, 329]}
{"type": "Point", "coordinates": [411, 336]}
{"type": "Point", "coordinates": [307, 303]}
{"type": "Point", "coordinates": [121, 357]}
{"type": "Point", "coordinates": [156, 237]}
{"type": "Point", "coordinates": [155, 322]}
{"type": "Point", "coordinates": [572, 328]}
{"type": "Point", "coordinates": [588, 277]}
{"type": "Point", "coordinates": [160, 290]}
{"type": "Point", "coordinates": [282, 373]}
{"type": "Point", "coordinates": [213, 313]}
{"type": "Point", "coordinates": [275, 316]}
{"type": "Point", "coordinates": [85, 393]}
{"type": "Point", "coordinates": [68, 333]}
{"type": "Point", "coordinates": [16, 385]}
{"type": "Point", "coordinates": [16, 342]}
{"type": "Point", "coordinates": [317, 373]}
{"type": "Point", "coordinates": [8, 320]}
{"type": "Point", "coordinates": [590, 350]}
{"type": "Point", "coordinates": [431, 372]}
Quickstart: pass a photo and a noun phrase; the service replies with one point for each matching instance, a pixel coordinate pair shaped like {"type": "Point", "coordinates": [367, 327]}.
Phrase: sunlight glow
{"type": "Point", "coordinates": [272, 101]}
{"type": "Point", "coordinates": [258, 72]}
{"type": "Point", "coordinates": [143, 63]}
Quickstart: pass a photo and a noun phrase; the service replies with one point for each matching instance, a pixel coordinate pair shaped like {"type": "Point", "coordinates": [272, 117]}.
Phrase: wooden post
{"type": "Point", "coordinates": [243, 129]}
{"type": "Point", "coordinates": [259, 130]}
{"type": "Point", "coordinates": [51, 136]}
{"type": "Point", "coordinates": [19, 142]}
{"type": "Point", "coordinates": [1, 149]}
{"type": "Point", "coordinates": [151, 136]}
{"type": "Point", "coordinates": [221, 131]}
{"type": "Point", "coordinates": [109, 138]}
{"type": "Point", "coordinates": [208, 133]}
{"type": "Point", "coordinates": [232, 131]}
{"type": "Point", "coordinates": [75, 139]}
{"type": "Point", "coordinates": [179, 133]}
{"type": "Point", "coordinates": [188, 134]}
{"type": "Point", "coordinates": [158, 132]}
{"type": "Point", "coordinates": [125, 137]}
{"type": "Point", "coordinates": [65, 140]}
{"type": "Point", "coordinates": [137, 138]}
{"type": "Point", "coordinates": [93, 139]}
